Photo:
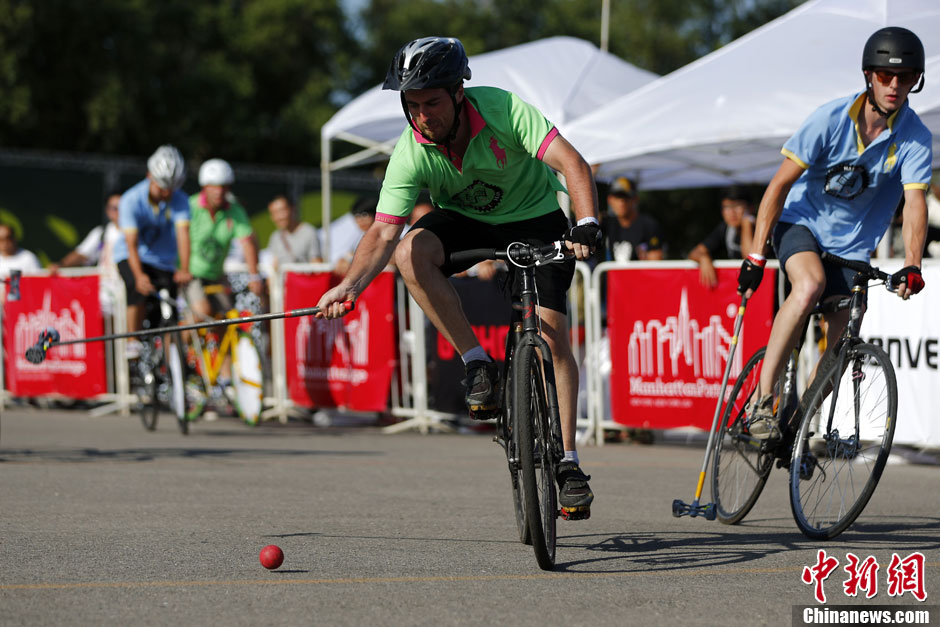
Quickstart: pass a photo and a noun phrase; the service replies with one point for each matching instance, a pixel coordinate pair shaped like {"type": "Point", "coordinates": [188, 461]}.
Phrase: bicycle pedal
{"type": "Point", "coordinates": [576, 513]}
{"type": "Point", "coordinates": [483, 414]}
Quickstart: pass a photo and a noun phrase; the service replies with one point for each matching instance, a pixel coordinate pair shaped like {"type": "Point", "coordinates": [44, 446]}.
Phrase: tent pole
{"type": "Point", "coordinates": [326, 195]}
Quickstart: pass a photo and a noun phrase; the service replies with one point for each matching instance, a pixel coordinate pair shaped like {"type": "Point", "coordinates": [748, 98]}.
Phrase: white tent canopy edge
{"type": "Point", "coordinates": [564, 77]}
{"type": "Point", "coordinates": [723, 118]}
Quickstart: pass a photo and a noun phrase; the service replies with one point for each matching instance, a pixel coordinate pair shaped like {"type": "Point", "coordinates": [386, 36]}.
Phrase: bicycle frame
{"type": "Point", "coordinates": [788, 400]}
{"type": "Point", "coordinates": [531, 333]}
{"type": "Point", "coordinates": [212, 366]}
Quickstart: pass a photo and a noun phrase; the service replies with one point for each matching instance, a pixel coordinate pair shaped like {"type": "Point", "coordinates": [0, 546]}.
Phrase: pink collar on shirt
{"type": "Point", "coordinates": [205, 204]}
{"type": "Point", "coordinates": [476, 123]}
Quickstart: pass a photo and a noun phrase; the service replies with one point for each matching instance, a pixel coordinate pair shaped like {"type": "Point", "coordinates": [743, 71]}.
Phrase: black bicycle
{"type": "Point", "coordinates": [835, 439]}
{"type": "Point", "coordinates": [528, 425]}
{"type": "Point", "coordinates": [159, 373]}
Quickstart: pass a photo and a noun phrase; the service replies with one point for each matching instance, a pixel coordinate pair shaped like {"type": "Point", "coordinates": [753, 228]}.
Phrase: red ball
{"type": "Point", "coordinates": [271, 556]}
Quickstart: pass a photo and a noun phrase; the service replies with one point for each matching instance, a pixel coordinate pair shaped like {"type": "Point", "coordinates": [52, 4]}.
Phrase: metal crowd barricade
{"type": "Point", "coordinates": [578, 300]}
{"type": "Point", "coordinates": [412, 404]}
{"type": "Point", "coordinates": [279, 405]}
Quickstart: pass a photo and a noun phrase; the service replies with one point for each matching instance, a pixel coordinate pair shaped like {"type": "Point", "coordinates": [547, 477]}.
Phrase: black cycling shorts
{"type": "Point", "coordinates": [457, 232]}
{"type": "Point", "coordinates": [159, 278]}
{"type": "Point", "coordinates": [789, 239]}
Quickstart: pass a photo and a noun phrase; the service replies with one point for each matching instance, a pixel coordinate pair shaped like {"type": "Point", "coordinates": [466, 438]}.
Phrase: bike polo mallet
{"type": "Point", "coordinates": [49, 338]}
{"type": "Point", "coordinates": [680, 507]}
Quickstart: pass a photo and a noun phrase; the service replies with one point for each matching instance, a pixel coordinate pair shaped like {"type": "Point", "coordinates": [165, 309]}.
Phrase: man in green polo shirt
{"type": "Point", "coordinates": [487, 159]}
{"type": "Point", "coordinates": [216, 219]}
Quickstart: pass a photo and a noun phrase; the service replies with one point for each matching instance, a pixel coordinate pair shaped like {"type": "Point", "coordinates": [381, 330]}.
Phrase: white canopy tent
{"type": "Point", "coordinates": [564, 77]}
{"type": "Point", "coordinates": [723, 118]}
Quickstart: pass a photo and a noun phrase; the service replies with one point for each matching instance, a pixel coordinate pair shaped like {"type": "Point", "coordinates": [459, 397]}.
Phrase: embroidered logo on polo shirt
{"type": "Point", "coordinates": [479, 196]}
{"type": "Point", "coordinates": [498, 152]}
{"type": "Point", "coordinates": [846, 180]}
{"type": "Point", "coordinates": [892, 158]}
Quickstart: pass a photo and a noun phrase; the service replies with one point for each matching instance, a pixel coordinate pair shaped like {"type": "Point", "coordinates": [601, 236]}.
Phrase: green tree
{"type": "Point", "coordinates": [658, 35]}
{"type": "Point", "coordinates": [243, 79]}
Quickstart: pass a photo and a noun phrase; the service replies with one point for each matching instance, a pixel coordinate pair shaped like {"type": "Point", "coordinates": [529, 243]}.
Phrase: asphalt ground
{"type": "Point", "coordinates": [102, 523]}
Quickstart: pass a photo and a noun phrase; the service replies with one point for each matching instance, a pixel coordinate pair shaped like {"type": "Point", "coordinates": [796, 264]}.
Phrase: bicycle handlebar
{"type": "Point", "coordinates": [517, 253]}
{"type": "Point", "coordinates": [862, 268]}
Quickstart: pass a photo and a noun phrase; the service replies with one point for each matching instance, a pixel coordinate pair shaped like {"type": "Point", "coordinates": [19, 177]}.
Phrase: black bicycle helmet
{"type": "Point", "coordinates": [893, 46]}
{"type": "Point", "coordinates": [428, 62]}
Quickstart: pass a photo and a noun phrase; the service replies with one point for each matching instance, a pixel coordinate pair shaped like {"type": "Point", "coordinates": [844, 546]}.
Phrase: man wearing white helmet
{"type": "Point", "coordinates": [217, 218]}
{"type": "Point", "coordinates": [154, 217]}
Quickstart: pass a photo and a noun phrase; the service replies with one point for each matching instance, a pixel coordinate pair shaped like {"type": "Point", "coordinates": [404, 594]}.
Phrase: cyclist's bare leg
{"type": "Point", "coordinates": [807, 280]}
{"type": "Point", "coordinates": [575, 494]}
{"type": "Point", "coordinates": [135, 317]}
{"type": "Point", "coordinates": [555, 332]}
{"type": "Point", "coordinates": [201, 308]}
{"type": "Point", "coordinates": [419, 257]}
{"type": "Point", "coordinates": [835, 324]}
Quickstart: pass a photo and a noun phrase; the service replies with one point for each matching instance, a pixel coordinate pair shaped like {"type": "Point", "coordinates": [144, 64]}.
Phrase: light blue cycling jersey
{"type": "Point", "coordinates": [155, 225]}
{"type": "Point", "coordinates": [848, 193]}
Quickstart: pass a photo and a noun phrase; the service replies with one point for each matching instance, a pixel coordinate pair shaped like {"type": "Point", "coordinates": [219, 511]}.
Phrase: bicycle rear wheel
{"type": "Point", "coordinates": [844, 440]}
{"type": "Point", "coordinates": [741, 463]}
{"type": "Point", "coordinates": [148, 383]}
{"type": "Point", "coordinates": [536, 453]}
{"type": "Point", "coordinates": [248, 379]}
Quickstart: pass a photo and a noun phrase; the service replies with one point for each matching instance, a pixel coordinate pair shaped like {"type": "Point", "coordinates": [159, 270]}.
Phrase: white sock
{"type": "Point", "coordinates": [476, 353]}
{"type": "Point", "coordinates": [571, 456]}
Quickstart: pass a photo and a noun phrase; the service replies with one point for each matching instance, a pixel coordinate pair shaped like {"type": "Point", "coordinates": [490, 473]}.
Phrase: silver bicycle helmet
{"type": "Point", "coordinates": [166, 167]}
{"type": "Point", "coordinates": [216, 172]}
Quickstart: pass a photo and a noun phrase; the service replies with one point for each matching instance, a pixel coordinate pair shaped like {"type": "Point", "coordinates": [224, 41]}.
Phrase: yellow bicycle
{"type": "Point", "coordinates": [207, 353]}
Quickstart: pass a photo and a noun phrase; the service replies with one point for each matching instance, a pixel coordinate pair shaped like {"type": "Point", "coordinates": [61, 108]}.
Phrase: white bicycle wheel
{"type": "Point", "coordinates": [177, 389]}
{"type": "Point", "coordinates": [248, 380]}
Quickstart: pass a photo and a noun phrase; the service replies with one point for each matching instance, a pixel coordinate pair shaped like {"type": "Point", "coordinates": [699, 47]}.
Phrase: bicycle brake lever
{"type": "Point", "coordinates": [557, 253]}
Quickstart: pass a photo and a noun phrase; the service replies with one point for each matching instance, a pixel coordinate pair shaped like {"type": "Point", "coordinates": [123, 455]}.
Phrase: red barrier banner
{"type": "Point", "coordinates": [70, 305]}
{"type": "Point", "coordinates": [670, 339]}
{"type": "Point", "coordinates": [340, 363]}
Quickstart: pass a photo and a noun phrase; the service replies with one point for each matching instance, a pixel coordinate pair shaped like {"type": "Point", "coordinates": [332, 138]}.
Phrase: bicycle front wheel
{"type": "Point", "coordinates": [844, 439]}
{"type": "Point", "coordinates": [248, 379]}
{"type": "Point", "coordinates": [536, 453]}
{"type": "Point", "coordinates": [508, 437]}
{"type": "Point", "coordinates": [148, 382]}
{"type": "Point", "coordinates": [741, 463]}
{"type": "Point", "coordinates": [187, 390]}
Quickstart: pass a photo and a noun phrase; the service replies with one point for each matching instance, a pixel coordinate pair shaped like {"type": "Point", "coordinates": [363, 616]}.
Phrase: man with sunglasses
{"type": "Point", "coordinates": [844, 172]}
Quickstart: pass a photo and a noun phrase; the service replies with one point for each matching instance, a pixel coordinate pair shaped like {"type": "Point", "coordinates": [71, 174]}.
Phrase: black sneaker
{"type": "Point", "coordinates": [574, 493]}
{"type": "Point", "coordinates": [482, 387]}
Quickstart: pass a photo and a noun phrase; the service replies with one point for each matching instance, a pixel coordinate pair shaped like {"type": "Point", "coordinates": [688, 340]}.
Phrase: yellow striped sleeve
{"type": "Point", "coordinates": [792, 157]}
{"type": "Point", "coordinates": [921, 186]}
